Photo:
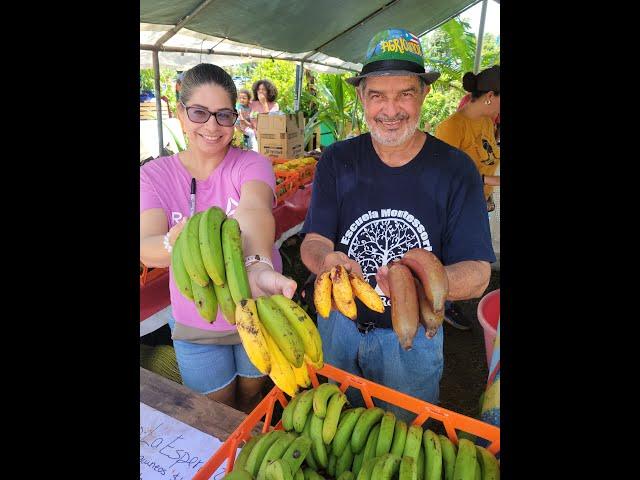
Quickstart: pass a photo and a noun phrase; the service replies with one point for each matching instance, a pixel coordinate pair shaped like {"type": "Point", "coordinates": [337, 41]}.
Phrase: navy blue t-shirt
{"type": "Point", "coordinates": [375, 213]}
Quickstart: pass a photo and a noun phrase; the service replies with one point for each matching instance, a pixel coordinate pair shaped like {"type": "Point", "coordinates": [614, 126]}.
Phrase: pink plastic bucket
{"type": "Point", "coordinates": [489, 315]}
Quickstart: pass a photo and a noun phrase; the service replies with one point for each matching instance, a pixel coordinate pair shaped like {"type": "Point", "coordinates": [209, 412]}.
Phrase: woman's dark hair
{"type": "Point", "coordinates": [486, 81]}
{"type": "Point", "coordinates": [272, 91]}
{"type": "Point", "coordinates": [206, 73]}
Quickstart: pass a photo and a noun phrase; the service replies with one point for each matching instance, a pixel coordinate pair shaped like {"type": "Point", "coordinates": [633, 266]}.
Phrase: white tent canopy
{"type": "Point", "coordinates": [188, 48]}
{"type": "Point", "coordinates": [188, 32]}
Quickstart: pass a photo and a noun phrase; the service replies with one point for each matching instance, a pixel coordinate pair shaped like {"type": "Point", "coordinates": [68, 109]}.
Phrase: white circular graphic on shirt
{"type": "Point", "coordinates": [377, 242]}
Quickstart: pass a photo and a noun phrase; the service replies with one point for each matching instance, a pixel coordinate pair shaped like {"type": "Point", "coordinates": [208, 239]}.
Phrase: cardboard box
{"type": "Point", "coordinates": [283, 145]}
{"type": "Point", "coordinates": [277, 137]}
{"type": "Point", "coordinates": [275, 123]}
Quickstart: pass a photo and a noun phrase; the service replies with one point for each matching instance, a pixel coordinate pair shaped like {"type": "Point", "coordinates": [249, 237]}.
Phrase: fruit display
{"type": "Point", "coordinates": [341, 287]}
{"type": "Point", "coordinates": [290, 174]}
{"type": "Point", "coordinates": [208, 264]}
{"type": "Point", "coordinates": [278, 335]}
{"type": "Point", "coordinates": [305, 167]}
{"type": "Point", "coordinates": [322, 438]}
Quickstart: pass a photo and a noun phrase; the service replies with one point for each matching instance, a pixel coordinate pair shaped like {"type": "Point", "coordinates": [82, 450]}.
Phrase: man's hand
{"type": "Point", "coordinates": [383, 280]}
{"type": "Point", "coordinates": [262, 98]}
{"type": "Point", "coordinates": [338, 258]}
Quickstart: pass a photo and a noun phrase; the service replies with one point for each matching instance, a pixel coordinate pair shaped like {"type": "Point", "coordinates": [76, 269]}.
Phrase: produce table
{"type": "Point", "coordinates": [196, 410]}
{"type": "Point", "coordinates": [290, 215]}
{"type": "Point", "coordinates": [154, 294]}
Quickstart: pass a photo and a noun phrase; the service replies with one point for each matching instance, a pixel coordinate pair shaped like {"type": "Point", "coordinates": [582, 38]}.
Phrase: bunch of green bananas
{"type": "Point", "coordinates": [208, 264]}
{"type": "Point", "coordinates": [280, 339]}
{"type": "Point", "coordinates": [356, 444]}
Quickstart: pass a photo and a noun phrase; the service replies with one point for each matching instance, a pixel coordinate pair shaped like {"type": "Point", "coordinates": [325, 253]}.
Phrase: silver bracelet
{"type": "Point", "coordinates": [250, 260]}
{"type": "Point", "coordinates": [165, 242]}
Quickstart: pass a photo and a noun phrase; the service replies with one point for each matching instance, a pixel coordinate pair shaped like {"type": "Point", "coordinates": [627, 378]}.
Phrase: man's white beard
{"type": "Point", "coordinates": [392, 139]}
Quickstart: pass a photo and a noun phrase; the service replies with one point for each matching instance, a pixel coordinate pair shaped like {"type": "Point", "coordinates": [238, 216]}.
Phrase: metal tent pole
{"type": "Point", "coordinates": [162, 40]}
{"type": "Point", "coordinates": [299, 76]}
{"type": "Point", "coordinates": [478, 59]}
{"type": "Point", "coordinates": [156, 75]}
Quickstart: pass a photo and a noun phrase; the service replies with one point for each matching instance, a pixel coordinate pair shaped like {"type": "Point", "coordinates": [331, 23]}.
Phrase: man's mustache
{"type": "Point", "coordinates": [385, 118]}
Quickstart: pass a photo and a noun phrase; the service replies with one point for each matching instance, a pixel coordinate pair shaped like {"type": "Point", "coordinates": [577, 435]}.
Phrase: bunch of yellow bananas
{"type": "Point", "coordinates": [209, 248]}
{"type": "Point", "coordinates": [295, 163]}
{"type": "Point", "coordinates": [340, 286]}
{"type": "Point", "coordinates": [280, 339]}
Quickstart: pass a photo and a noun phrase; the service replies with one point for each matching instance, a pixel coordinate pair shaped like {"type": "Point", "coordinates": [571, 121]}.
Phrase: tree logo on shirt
{"type": "Point", "coordinates": [378, 237]}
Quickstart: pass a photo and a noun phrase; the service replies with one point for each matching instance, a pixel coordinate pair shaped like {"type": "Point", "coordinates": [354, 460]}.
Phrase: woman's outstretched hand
{"type": "Point", "coordinates": [263, 280]}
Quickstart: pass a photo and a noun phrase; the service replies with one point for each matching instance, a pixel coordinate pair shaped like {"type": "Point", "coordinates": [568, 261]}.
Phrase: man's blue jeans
{"type": "Point", "coordinates": [378, 356]}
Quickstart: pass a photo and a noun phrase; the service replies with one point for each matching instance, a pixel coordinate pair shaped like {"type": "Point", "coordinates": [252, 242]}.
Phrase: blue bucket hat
{"type": "Point", "coordinates": [394, 52]}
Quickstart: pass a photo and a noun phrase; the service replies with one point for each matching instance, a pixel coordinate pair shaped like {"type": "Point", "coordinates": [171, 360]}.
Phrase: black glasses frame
{"type": "Point", "coordinates": [214, 114]}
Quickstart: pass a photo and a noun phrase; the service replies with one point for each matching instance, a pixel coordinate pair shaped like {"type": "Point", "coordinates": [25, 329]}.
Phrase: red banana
{"type": "Point", "coordinates": [428, 319]}
{"type": "Point", "coordinates": [404, 304]}
{"type": "Point", "coordinates": [430, 271]}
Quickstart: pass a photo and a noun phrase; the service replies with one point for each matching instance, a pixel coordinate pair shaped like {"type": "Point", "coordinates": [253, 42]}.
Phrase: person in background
{"type": "Point", "coordinates": [496, 121]}
{"type": "Point", "coordinates": [471, 129]}
{"type": "Point", "coordinates": [210, 356]}
{"type": "Point", "coordinates": [265, 94]}
{"type": "Point", "coordinates": [178, 85]}
{"type": "Point", "coordinates": [243, 124]}
{"type": "Point", "coordinates": [365, 212]}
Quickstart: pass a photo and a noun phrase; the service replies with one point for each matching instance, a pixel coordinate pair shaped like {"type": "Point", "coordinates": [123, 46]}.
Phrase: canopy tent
{"type": "Point", "coordinates": [333, 33]}
{"type": "Point", "coordinates": [326, 35]}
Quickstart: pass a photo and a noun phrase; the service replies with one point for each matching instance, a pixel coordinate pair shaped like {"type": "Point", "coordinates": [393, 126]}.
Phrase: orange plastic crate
{"type": "Point", "coordinates": [264, 412]}
{"type": "Point", "coordinates": [307, 174]}
{"type": "Point", "coordinates": [287, 188]}
{"type": "Point", "coordinates": [148, 275]}
{"type": "Point", "coordinates": [278, 160]}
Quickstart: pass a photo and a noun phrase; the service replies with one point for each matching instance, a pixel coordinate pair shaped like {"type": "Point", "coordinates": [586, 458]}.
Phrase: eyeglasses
{"type": "Point", "coordinates": [225, 118]}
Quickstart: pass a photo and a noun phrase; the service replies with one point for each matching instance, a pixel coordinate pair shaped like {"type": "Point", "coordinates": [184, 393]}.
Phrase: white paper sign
{"type": "Point", "coordinates": [172, 450]}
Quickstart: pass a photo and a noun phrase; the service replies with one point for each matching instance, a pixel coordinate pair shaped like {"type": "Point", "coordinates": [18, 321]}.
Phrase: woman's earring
{"type": "Point", "coordinates": [487, 102]}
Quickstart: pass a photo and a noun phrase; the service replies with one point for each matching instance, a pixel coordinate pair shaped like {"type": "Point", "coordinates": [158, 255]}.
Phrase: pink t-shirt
{"type": "Point", "coordinates": [256, 108]}
{"type": "Point", "coordinates": [165, 183]}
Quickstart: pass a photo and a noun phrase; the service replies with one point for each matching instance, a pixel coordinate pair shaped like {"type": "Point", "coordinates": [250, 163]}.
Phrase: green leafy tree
{"type": "Point", "coordinates": [282, 74]}
{"type": "Point", "coordinates": [338, 107]}
{"type": "Point", "coordinates": [451, 50]}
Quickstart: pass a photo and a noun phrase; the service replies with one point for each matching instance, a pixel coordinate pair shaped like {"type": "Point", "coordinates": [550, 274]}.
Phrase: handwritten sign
{"type": "Point", "coordinates": [172, 450]}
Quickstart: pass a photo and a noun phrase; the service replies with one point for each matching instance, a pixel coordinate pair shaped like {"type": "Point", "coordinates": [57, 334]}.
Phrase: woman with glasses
{"type": "Point", "coordinates": [210, 172]}
{"type": "Point", "coordinates": [471, 129]}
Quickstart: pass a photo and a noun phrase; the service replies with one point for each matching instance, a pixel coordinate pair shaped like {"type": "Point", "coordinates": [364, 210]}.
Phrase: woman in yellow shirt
{"type": "Point", "coordinates": [471, 129]}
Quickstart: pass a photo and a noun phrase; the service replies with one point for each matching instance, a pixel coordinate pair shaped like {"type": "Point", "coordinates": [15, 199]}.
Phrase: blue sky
{"type": "Point", "coordinates": [492, 19]}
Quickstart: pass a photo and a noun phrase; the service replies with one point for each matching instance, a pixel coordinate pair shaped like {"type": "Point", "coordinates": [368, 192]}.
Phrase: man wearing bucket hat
{"type": "Point", "coordinates": [377, 195]}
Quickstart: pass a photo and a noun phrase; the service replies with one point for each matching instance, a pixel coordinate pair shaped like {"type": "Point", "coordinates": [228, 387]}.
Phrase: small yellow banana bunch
{"type": "Point", "coordinates": [280, 339]}
{"type": "Point", "coordinates": [341, 286]}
